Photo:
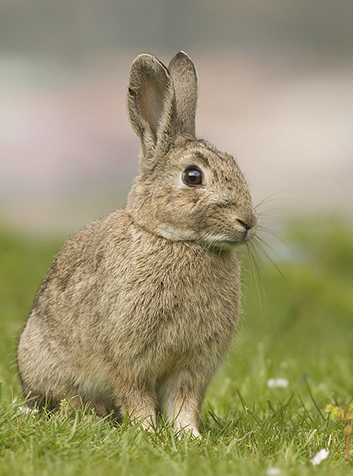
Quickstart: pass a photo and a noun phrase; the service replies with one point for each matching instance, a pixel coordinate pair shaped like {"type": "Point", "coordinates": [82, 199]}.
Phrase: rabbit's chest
{"type": "Point", "coordinates": [170, 322]}
{"type": "Point", "coordinates": [187, 303]}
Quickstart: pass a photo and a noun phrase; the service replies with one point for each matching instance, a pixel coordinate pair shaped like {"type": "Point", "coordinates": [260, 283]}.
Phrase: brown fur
{"type": "Point", "coordinates": [139, 308]}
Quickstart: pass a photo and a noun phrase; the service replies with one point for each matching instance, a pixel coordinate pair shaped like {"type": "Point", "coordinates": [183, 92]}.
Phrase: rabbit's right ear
{"type": "Point", "coordinates": [151, 105]}
{"type": "Point", "coordinates": [183, 73]}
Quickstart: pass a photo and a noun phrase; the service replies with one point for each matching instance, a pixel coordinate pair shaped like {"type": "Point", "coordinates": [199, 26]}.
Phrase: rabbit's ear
{"type": "Point", "coordinates": [183, 73]}
{"type": "Point", "coordinates": [151, 104]}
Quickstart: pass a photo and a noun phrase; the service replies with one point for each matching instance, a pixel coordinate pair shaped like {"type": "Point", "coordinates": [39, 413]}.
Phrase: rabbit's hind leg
{"type": "Point", "coordinates": [39, 402]}
{"type": "Point", "coordinates": [98, 408]}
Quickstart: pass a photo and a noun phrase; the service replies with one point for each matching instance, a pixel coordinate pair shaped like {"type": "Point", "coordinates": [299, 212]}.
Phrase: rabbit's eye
{"type": "Point", "coordinates": [192, 176]}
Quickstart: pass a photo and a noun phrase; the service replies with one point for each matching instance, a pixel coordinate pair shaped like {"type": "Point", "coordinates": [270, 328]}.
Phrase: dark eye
{"type": "Point", "coordinates": [192, 176]}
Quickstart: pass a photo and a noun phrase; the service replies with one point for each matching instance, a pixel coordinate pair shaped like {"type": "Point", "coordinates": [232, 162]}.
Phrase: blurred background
{"type": "Point", "coordinates": [276, 90]}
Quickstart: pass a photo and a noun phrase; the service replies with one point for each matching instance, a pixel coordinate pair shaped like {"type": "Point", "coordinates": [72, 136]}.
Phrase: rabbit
{"type": "Point", "coordinates": [139, 308]}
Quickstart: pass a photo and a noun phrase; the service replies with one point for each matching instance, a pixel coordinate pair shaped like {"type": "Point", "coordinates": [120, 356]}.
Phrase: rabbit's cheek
{"type": "Point", "coordinates": [184, 217]}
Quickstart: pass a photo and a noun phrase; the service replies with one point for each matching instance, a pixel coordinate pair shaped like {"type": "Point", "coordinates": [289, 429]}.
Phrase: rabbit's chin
{"type": "Point", "coordinates": [223, 242]}
{"type": "Point", "coordinates": [207, 239]}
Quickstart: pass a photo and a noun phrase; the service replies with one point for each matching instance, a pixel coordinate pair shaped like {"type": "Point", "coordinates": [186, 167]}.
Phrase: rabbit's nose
{"type": "Point", "coordinates": [244, 224]}
{"type": "Point", "coordinates": [248, 222]}
{"type": "Point", "coordinates": [248, 226]}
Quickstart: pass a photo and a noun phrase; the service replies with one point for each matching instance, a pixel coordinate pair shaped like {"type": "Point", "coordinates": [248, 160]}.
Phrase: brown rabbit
{"type": "Point", "coordinates": [139, 308]}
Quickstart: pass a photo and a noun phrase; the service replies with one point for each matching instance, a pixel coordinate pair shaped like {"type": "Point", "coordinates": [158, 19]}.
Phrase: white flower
{"type": "Point", "coordinates": [273, 471]}
{"type": "Point", "coordinates": [320, 456]}
{"type": "Point", "coordinates": [33, 411]}
{"type": "Point", "coordinates": [277, 382]}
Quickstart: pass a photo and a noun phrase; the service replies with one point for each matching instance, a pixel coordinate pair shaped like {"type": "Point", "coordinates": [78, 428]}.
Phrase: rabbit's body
{"type": "Point", "coordinates": [139, 308]}
{"type": "Point", "coordinates": [141, 326]}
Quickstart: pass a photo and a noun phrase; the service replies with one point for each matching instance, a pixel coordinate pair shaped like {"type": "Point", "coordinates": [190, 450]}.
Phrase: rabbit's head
{"type": "Point", "coordinates": [187, 190]}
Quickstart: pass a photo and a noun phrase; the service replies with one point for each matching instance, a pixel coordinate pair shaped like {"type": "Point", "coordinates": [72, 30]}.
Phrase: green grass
{"type": "Point", "coordinates": [298, 328]}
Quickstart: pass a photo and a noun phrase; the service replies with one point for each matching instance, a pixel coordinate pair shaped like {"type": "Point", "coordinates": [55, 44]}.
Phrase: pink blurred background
{"type": "Point", "coordinates": [276, 90]}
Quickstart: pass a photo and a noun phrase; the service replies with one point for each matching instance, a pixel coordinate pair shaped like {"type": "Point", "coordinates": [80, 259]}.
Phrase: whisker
{"type": "Point", "coordinates": [254, 264]}
{"type": "Point", "coordinates": [278, 237]}
{"type": "Point", "coordinates": [271, 213]}
{"type": "Point", "coordinates": [253, 245]}
{"type": "Point", "coordinates": [256, 261]}
{"type": "Point", "coordinates": [261, 245]}
{"type": "Point", "coordinates": [270, 198]}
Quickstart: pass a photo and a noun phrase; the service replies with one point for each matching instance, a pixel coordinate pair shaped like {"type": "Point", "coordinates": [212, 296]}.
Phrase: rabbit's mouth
{"type": "Point", "coordinates": [228, 240]}
{"type": "Point", "coordinates": [240, 233]}
{"type": "Point", "coordinates": [237, 234]}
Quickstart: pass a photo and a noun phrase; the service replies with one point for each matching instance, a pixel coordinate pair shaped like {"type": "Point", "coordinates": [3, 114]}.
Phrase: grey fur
{"type": "Point", "coordinates": [139, 308]}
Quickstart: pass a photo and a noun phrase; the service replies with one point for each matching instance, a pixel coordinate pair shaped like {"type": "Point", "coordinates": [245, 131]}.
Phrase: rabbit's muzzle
{"type": "Point", "coordinates": [245, 229]}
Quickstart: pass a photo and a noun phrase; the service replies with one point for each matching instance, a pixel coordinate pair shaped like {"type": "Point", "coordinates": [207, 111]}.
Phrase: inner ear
{"type": "Point", "coordinates": [152, 103]}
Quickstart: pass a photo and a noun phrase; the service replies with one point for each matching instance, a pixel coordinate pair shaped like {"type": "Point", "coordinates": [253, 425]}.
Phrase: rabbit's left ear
{"type": "Point", "coordinates": [151, 104]}
{"type": "Point", "coordinates": [183, 73]}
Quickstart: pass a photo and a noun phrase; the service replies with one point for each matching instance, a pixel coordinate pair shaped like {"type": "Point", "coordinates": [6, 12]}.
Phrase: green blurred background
{"type": "Point", "coordinates": [276, 90]}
